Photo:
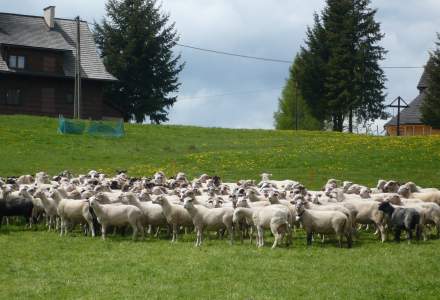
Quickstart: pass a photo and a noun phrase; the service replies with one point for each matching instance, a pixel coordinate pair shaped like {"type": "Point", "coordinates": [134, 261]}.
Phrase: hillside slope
{"type": "Point", "coordinates": [31, 144]}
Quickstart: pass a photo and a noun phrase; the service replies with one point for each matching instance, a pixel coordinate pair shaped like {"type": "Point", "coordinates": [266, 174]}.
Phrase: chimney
{"type": "Point", "coordinates": [49, 16]}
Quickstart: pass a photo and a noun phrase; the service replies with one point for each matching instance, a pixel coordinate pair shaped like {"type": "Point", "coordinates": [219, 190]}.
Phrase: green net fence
{"type": "Point", "coordinates": [95, 128]}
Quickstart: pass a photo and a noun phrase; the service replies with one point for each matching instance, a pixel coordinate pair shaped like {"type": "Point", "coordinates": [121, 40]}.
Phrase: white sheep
{"type": "Point", "coordinates": [369, 213]}
{"type": "Point", "coordinates": [153, 213]}
{"type": "Point", "coordinates": [324, 222]}
{"type": "Point", "coordinates": [175, 214]}
{"type": "Point", "coordinates": [50, 208]}
{"type": "Point", "coordinates": [118, 215]}
{"type": "Point", "coordinates": [72, 212]}
{"type": "Point", "coordinates": [277, 219]}
{"type": "Point", "coordinates": [211, 219]}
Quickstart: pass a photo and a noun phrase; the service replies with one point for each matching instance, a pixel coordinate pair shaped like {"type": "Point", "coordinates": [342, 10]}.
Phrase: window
{"type": "Point", "coordinates": [20, 62]}
{"type": "Point", "coordinates": [13, 97]}
{"type": "Point", "coordinates": [12, 61]}
{"type": "Point", "coordinates": [17, 62]}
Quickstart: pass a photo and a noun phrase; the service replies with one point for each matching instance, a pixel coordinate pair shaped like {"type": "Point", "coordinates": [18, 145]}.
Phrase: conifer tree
{"type": "Point", "coordinates": [136, 40]}
{"type": "Point", "coordinates": [431, 104]}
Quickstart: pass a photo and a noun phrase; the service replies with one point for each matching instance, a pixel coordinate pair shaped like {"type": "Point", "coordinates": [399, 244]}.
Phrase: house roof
{"type": "Point", "coordinates": [411, 114]}
{"type": "Point", "coordinates": [32, 31]}
{"type": "Point", "coordinates": [423, 82]}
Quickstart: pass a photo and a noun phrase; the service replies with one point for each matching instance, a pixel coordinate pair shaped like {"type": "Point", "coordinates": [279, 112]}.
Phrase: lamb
{"type": "Point", "coordinates": [117, 215]}
{"type": "Point", "coordinates": [210, 219]}
{"type": "Point", "coordinates": [277, 219]}
{"type": "Point", "coordinates": [243, 218]}
{"type": "Point", "coordinates": [50, 207]}
{"type": "Point", "coordinates": [324, 222]}
{"type": "Point", "coordinates": [175, 214]}
{"type": "Point", "coordinates": [153, 213]}
{"type": "Point", "coordinates": [402, 219]}
{"type": "Point", "coordinates": [72, 212]}
{"type": "Point", "coordinates": [350, 214]}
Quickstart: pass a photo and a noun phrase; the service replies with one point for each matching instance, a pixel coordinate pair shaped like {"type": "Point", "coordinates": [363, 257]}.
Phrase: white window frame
{"type": "Point", "coordinates": [13, 61]}
{"type": "Point", "coordinates": [17, 62]}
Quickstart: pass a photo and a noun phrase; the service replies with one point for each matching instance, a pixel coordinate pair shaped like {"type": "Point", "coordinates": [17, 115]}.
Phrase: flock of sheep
{"type": "Point", "coordinates": [244, 208]}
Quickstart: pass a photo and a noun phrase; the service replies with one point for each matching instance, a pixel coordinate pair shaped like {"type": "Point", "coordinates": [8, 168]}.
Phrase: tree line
{"type": "Point", "coordinates": [335, 81]}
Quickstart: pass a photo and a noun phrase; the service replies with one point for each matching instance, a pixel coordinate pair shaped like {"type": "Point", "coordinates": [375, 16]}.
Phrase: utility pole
{"type": "Point", "coordinates": [77, 100]}
{"type": "Point", "coordinates": [398, 106]}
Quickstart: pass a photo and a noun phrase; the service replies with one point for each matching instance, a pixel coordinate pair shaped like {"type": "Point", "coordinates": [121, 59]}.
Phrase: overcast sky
{"type": "Point", "coordinates": [233, 92]}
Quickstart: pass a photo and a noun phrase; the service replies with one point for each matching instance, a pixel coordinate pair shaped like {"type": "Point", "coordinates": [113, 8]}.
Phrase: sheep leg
{"type": "Point", "coordinates": [309, 238]}
{"type": "Point", "coordinates": [231, 234]}
{"type": "Point", "coordinates": [199, 237]}
{"type": "Point", "coordinates": [289, 240]}
{"type": "Point", "coordinates": [240, 229]}
{"type": "Point", "coordinates": [174, 238]}
{"type": "Point", "coordinates": [135, 231]}
{"type": "Point", "coordinates": [382, 232]}
{"type": "Point", "coordinates": [349, 240]}
{"type": "Point", "coordinates": [92, 228]}
{"type": "Point", "coordinates": [63, 225]}
{"type": "Point", "coordinates": [277, 237]}
{"type": "Point", "coordinates": [397, 235]}
{"type": "Point", "coordinates": [260, 233]}
{"type": "Point", "coordinates": [103, 231]}
{"type": "Point", "coordinates": [141, 229]}
{"type": "Point", "coordinates": [340, 239]}
{"type": "Point", "coordinates": [156, 235]}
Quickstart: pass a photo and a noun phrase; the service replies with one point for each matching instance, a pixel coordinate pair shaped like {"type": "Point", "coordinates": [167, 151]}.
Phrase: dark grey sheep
{"type": "Point", "coordinates": [402, 218]}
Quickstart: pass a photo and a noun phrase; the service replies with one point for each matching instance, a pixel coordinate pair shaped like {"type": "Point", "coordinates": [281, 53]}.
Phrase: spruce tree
{"type": "Point", "coordinates": [135, 41]}
{"type": "Point", "coordinates": [311, 70]}
{"type": "Point", "coordinates": [431, 105]}
{"type": "Point", "coordinates": [340, 76]}
{"type": "Point", "coordinates": [291, 106]}
{"type": "Point", "coordinates": [369, 77]}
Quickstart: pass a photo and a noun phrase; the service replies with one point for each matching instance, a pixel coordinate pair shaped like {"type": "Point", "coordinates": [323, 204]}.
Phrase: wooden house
{"type": "Point", "coordinates": [37, 67]}
{"type": "Point", "coordinates": [410, 117]}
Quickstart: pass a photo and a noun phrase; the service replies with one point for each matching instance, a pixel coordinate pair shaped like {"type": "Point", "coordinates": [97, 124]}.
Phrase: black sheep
{"type": "Point", "coordinates": [402, 218]}
{"type": "Point", "coordinates": [16, 207]}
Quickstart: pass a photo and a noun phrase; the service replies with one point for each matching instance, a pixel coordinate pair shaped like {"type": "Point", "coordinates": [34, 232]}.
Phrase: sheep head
{"type": "Point", "coordinates": [188, 203]}
{"type": "Point", "coordinates": [386, 207]}
{"type": "Point", "coordinates": [404, 191]}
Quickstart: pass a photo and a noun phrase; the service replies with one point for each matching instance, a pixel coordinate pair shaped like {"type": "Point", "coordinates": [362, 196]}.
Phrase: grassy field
{"type": "Point", "coordinates": [40, 265]}
{"type": "Point", "coordinates": [31, 144]}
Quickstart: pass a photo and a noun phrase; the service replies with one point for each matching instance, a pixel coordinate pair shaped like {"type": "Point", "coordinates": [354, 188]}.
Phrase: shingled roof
{"type": "Point", "coordinates": [32, 31]}
{"type": "Point", "coordinates": [410, 115]}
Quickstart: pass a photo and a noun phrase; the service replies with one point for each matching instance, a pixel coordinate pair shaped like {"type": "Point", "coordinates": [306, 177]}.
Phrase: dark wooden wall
{"type": "Point", "coordinates": [50, 62]}
{"type": "Point", "coordinates": [49, 96]}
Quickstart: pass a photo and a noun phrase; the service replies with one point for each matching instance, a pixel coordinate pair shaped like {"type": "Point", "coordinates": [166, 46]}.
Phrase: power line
{"type": "Point", "coordinates": [237, 55]}
{"type": "Point", "coordinates": [270, 59]}
{"type": "Point", "coordinates": [276, 60]}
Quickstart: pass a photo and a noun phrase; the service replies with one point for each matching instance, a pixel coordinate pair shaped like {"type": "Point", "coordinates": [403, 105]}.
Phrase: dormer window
{"type": "Point", "coordinates": [16, 62]}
